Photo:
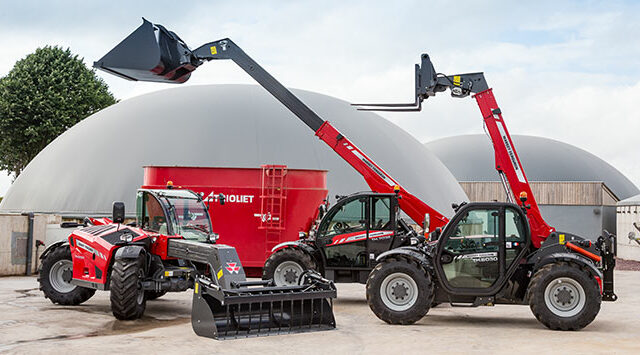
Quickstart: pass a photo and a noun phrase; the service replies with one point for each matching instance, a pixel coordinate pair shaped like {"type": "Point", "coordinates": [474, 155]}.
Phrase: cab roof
{"type": "Point", "coordinates": [175, 193]}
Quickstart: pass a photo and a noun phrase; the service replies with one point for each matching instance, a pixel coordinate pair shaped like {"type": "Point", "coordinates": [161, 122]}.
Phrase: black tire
{"type": "Point", "coordinates": [281, 266]}
{"type": "Point", "coordinates": [127, 297]}
{"type": "Point", "coordinates": [152, 295]}
{"type": "Point", "coordinates": [54, 276]}
{"type": "Point", "coordinates": [564, 296]}
{"type": "Point", "coordinates": [393, 308]}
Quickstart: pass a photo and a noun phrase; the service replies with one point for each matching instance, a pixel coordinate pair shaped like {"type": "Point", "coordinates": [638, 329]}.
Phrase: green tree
{"type": "Point", "coordinates": [45, 94]}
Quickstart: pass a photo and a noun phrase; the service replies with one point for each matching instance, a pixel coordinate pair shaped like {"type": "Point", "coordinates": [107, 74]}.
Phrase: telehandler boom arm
{"type": "Point", "coordinates": [508, 165]}
{"type": "Point", "coordinates": [152, 53]}
{"type": "Point", "coordinates": [377, 179]}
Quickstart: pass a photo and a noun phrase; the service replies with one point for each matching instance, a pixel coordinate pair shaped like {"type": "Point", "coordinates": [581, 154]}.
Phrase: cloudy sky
{"type": "Point", "coordinates": [567, 70]}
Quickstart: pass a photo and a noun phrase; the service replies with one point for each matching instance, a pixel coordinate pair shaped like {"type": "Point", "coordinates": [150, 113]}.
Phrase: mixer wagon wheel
{"type": "Point", "coordinates": [286, 266]}
{"type": "Point", "coordinates": [127, 296]}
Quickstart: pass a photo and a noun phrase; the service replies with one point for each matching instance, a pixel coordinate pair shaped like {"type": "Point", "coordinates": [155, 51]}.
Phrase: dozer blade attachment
{"type": "Point", "coordinates": [252, 309]}
{"type": "Point", "coordinates": [150, 53]}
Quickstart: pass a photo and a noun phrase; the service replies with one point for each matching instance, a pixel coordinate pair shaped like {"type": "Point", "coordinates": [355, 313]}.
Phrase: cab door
{"type": "Point", "coordinates": [383, 224]}
{"type": "Point", "coordinates": [344, 232]}
{"type": "Point", "coordinates": [480, 248]}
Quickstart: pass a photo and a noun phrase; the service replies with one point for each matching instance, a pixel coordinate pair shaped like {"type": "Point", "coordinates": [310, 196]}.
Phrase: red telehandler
{"type": "Point", "coordinates": [488, 253]}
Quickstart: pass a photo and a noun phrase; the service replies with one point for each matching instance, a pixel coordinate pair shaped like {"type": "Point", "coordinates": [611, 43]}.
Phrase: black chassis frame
{"type": "Point", "coordinates": [512, 285]}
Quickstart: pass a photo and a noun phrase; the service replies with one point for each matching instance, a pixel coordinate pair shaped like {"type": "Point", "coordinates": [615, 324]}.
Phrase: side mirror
{"type": "Point", "coordinates": [221, 198]}
{"type": "Point", "coordinates": [118, 212]}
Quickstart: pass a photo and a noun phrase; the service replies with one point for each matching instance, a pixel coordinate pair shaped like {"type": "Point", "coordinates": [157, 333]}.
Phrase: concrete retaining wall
{"type": "Point", "coordinates": [14, 229]}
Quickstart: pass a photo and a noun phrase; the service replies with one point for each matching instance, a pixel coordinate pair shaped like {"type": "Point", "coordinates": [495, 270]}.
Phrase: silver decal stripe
{"type": "Point", "coordinates": [374, 168]}
{"type": "Point", "coordinates": [510, 151]}
{"type": "Point", "coordinates": [362, 236]}
{"type": "Point", "coordinates": [89, 249]}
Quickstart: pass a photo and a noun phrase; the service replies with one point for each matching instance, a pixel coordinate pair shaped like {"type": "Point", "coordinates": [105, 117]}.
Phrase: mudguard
{"type": "Point", "coordinates": [295, 244]}
{"type": "Point", "coordinates": [51, 247]}
{"type": "Point", "coordinates": [129, 252]}
{"type": "Point", "coordinates": [568, 257]}
{"type": "Point", "coordinates": [410, 252]}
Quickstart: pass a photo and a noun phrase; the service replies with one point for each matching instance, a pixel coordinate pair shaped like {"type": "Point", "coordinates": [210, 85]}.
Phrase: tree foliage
{"type": "Point", "coordinates": [45, 94]}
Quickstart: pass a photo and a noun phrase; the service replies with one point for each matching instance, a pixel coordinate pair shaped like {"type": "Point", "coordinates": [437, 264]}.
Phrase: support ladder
{"type": "Point", "coordinates": [273, 201]}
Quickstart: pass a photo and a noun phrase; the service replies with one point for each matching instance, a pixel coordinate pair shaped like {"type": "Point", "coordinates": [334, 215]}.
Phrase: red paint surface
{"type": "Point", "coordinates": [238, 220]}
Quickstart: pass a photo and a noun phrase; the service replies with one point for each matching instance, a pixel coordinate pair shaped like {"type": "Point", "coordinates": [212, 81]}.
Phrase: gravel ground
{"type": "Point", "coordinates": [30, 324]}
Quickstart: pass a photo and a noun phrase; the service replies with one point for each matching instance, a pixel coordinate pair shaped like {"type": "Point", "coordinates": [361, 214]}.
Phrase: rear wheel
{"type": "Point", "coordinates": [399, 291]}
{"type": "Point", "coordinates": [127, 296]}
{"type": "Point", "coordinates": [55, 279]}
{"type": "Point", "coordinates": [563, 296]}
{"type": "Point", "coordinates": [286, 266]}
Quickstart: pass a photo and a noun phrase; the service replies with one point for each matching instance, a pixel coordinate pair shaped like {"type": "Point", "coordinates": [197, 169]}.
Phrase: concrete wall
{"type": "Point", "coordinates": [14, 229]}
{"type": "Point", "coordinates": [627, 248]}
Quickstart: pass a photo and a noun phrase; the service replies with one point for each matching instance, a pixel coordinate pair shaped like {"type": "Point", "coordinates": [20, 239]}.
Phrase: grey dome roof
{"type": "Point", "coordinates": [100, 159]}
{"type": "Point", "coordinates": [471, 158]}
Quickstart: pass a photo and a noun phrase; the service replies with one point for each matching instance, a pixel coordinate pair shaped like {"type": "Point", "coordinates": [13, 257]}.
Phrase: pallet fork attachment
{"type": "Point", "coordinates": [428, 83]}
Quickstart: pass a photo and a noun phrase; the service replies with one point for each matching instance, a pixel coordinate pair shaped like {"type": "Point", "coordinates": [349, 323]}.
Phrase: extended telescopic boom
{"type": "Point", "coordinates": [152, 53]}
{"type": "Point", "coordinates": [508, 165]}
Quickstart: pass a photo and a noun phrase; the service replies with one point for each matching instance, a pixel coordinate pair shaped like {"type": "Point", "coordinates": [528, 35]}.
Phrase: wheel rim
{"type": "Point", "coordinates": [56, 276]}
{"type": "Point", "coordinates": [565, 297]}
{"type": "Point", "coordinates": [399, 291]}
{"type": "Point", "coordinates": [287, 273]}
{"type": "Point", "coordinates": [140, 298]}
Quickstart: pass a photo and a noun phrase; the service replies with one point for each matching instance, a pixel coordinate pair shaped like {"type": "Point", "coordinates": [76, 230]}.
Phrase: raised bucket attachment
{"type": "Point", "coordinates": [257, 309]}
{"type": "Point", "coordinates": [226, 305]}
{"type": "Point", "coordinates": [150, 53]}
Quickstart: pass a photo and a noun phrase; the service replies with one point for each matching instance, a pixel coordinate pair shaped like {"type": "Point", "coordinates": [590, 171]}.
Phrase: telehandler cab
{"type": "Point", "coordinates": [171, 248]}
{"type": "Point", "coordinates": [488, 253]}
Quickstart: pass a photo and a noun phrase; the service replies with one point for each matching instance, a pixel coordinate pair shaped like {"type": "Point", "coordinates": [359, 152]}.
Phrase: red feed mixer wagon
{"type": "Point", "coordinates": [263, 206]}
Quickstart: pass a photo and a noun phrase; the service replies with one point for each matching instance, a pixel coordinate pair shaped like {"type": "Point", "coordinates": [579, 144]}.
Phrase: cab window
{"type": "Point", "coordinates": [349, 218]}
{"type": "Point", "coordinates": [514, 235]}
{"type": "Point", "coordinates": [151, 215]}
{"type": "Point", "coordinates": [381, 213]}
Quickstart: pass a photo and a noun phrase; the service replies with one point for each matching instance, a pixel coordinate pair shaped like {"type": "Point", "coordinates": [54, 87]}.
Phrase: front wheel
{"type": "Point", "coordinates": [563, 296]}
{"type": "Point", "coordinates": [128, 299]}
{"type": "Point", "coordinates": [399, 291]}
{"type": "Point", "coordinates": [55, 277]}
{"type": "Point", "coordinates": [286, 266]}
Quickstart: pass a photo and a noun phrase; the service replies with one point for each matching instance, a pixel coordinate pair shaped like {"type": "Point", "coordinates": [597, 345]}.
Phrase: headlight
{"type": "Point", "coordinates": [126, 238]}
